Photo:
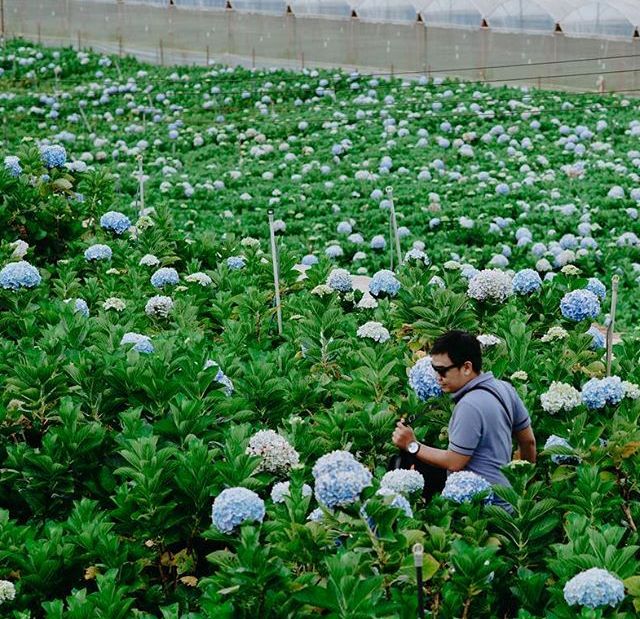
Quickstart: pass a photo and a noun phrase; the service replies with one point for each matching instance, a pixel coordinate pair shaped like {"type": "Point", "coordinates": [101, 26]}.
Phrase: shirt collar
{"type": "Point", "coordinates": [481, 378]}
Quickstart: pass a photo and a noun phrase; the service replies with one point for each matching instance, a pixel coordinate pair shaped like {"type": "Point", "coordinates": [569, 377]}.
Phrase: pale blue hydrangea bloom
{"type": "Point", "coordinates": [316, 515]}
{"type": "Point", "coordinates": [468, 271]}
{"type": "Point", "coordinates": [423, 380]}
{"type": "Point", "coordinates": [141, 343]}
{"type": "Point", "coordinates": [221, 377]}
{"type": "Point", "coordinates": [594, 588]}
{"type": "Point", "coordinates": [309, 260]}
{"type": "Point", "coordinates": [462, 486]}
{"type": "Point", "coordinates": [334, 251]}
{"type": "Point", "coordinates": [597, 287]}
{"type": "Point", "coordinates": [378, 242]}
{"type": "Point", "coordinates": [598, 340]}
{"type": "Point", "coordinates": [404, 481]}
{"type": "Point", "coordinates": [164, 276]}
{"type": "Point", "coordinates": [580, 305]}
{"type": "Point", "coordinates": [281, 490]}
{"type": "Point", "coordinates": [598, 392]}
{"type": "Point", "coordinates": [234, 506]}
{"type": "Point", "coordinates": [417, 256]}
{"type": "Point", "coordinates": [344, 227]}
{"type": "Point", "coordinates": [342, 487]}
{"type": "Point", "coordinates": [502, 189]}
{"type": "Point", "coordinates": [235, 263]}
{"type": "Point", "coordinates": [558, 441]}
{"type": "Point", "coordinates": [53, 156]}
{"type": "Point", "coordinates": [115, 221]}
{"type": "Point", "coordinates": [81, 307]}
{"type": "Point", "coordinates": [12, 165]}
{"type": "Point", "coordinates": [384, 282]}
{"type": "Point", "coordinates": [334, 461]}
{"type": "Point", "coordinates": [397, 500]}
{"type": "Point", "coordinates": [526, 282]}
{"type": "Point", "coordinates": [17, 275]}
{"type": "Point", "coordinates": [98, 252]}
{"type": "Point", "coordinates": [340, 280]}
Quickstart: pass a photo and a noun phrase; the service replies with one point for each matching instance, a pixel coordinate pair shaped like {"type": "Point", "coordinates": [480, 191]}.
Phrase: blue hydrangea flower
{"type": "Point", "coordinates": [235, 263]}
{"type": "Point", "coordinates": [462, 486]}
{"type": "Point", "coordinates": [17, 275]}
{"type": "Point", "coordinates": [423, 380]}
{"type": "Point", "coordinates": [12, 164]}
{"type": "Point", "coordinates": [344, 227]}
{"type": "Point", "coordinates": [404, 481]}
{"type": "Point", "coordinates": [316, 515]}
{"type": "Point", "coordinates": [342, 487]}
{"type": "Point", "coordinates": [580, 305]}
{"type": "Point", "coordinates": [115, 221]}
{"type": "Point", "coordinates": [594, 588]}
{"type": "Point", "coordinates": [398, 501]}
{"type": "Point", "coordinates": [98, 252]}
{"type": "Point", "coordinates": [234, 506]}
{"type": "Point", "coordinates": [598, 340]}
{"type": "Point", "coordinates": [526, 282]}
{"type": "Point", "coordinates": [597, 287]}
{"type": "Point", "coordinates": [384, 282]}
{"type": "Point", "coordinates": [334, 461]}
{"type": "Point", "coordinates": [281, 490]}
{"type": "Point", "coordinates": [334, 251]}
{"type": "Point", "coordinates": [165, 276]}
{"type": "Point", "coordinates": [558, 441]}
{"type": "Point", "coordinates": [81, 307]}
{"type": "Point", "coordinates": [309, 260]}
{"type": "Point", "coordinates": [598, 392]}
{"type": "Point", "coordinates": [53, 156]}
{"type": "Point", "coordinates": [141, 343]}
{"type": "Point", "coordinates": [502, 189]}
{"type": "Point", "coordinates": [417, 255]}
{"type": "Point", "coordinates": [378, 242]}
{"type": "Point", "coordinates": [340, 280]}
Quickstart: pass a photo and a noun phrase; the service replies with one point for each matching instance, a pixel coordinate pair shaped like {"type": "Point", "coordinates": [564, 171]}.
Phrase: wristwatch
{"type": "Point", "coordinates": [413, 447]}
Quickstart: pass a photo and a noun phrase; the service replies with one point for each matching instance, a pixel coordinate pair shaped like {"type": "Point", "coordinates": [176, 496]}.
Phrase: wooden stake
{"type": "Point", "coordinates": [394, 225]}
{"type": "Point", "coordinates": [141, 181]}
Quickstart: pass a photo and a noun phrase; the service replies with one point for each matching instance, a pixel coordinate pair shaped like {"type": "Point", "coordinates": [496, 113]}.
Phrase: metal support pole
{"type": "Point", "coordinates": [418, 555]}
{"type": "Point", "coordinates": [276, 277]}
{"type": "Point", "coordinates": [394, 225]}
{"type": "Point", "coordinates": [141, 181]}
{"type": "Point", "coordinates": [612, 321]}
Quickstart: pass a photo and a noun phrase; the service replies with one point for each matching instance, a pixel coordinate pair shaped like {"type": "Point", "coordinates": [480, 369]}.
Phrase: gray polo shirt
{"type": "Point", "coordinates": [481, 428]}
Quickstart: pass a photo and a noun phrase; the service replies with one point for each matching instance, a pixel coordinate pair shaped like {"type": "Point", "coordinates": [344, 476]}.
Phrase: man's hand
{"type": "Point", "coordinates": [402, 435]}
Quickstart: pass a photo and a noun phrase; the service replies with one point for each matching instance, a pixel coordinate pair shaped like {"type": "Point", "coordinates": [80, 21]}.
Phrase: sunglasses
{"type": "Point", "coordinates": [443, 369]}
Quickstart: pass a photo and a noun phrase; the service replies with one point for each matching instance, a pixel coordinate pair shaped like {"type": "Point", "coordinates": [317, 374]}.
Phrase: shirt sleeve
{"type": "Point", "coordinates": [465, 429]}
{"type": "Point", "coordinates": [521, 419]}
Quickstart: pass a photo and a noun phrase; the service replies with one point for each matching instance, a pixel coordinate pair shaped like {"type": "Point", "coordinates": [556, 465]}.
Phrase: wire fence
{"type": "Point", "coordinates": [175, 35]}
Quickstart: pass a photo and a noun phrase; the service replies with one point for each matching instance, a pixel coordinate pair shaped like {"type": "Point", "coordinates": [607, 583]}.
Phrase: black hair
{"type": "Point", "coordinates": [461, 346]}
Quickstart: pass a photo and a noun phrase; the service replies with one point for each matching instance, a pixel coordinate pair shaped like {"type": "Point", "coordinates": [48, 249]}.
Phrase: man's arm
{"type": "Point", "coordinates": [442, 458]}
{"type": "Point", "coordinates": [526, 444]}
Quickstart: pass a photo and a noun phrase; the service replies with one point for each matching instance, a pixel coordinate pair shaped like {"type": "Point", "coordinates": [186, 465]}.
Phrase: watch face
{"type": "Point", "coordinates": [413, 447]}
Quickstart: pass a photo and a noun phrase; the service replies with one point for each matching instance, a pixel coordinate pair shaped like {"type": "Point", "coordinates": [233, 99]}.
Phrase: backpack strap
{"type": "Point", "coordinates": [497, 396]}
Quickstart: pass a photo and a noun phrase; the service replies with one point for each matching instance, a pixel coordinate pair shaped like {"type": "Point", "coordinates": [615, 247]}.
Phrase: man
{"type": "Point", "coordinates": [487, 415]}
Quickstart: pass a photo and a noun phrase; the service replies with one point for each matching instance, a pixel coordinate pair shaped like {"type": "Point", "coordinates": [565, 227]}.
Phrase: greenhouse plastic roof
{"type": "Point", "coordinates": [587, 18]}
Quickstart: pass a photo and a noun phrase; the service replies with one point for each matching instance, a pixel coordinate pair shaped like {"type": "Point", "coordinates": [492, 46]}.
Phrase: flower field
{"type": "Point", "coordinates": [166, 452]}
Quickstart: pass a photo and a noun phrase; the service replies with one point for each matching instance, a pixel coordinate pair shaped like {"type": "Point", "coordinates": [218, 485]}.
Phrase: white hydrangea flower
{"type": "Point", "coordinates": [281, 490]}
{"type": "Point", "coordinates": [199, 278]}
{"type": "Point", "coordinates": [149, 260]}
{"type": "Point", "coordinates": [276, 452]}
{"type": "Point", "coordinates": [488, 339]}
{"type": "Point", "coordinates": [249, 241]}
{"type": "Point", "coordinates": [570, 269]}
{"type": "Point", "coordinates": [322, 290]}
{"type": "Point", "coordinates": [20, 249]}
{"type": "Point", "coordinates": [159, 306]}
{"type": "Point", "coordinates": [367, 302]}
{"type": "Point", "coordinates": [631, 390]}
{"type": "Point", "coordinates": [7, 590]}
{"type": "Point", "coordinates": [560, 396]}
{"type": "Point", "coordinates": [490, 285]}
{"type": "Point", "coordinates": [114, 303]}
{"type": "Point", "coordinates": [554, 333]}
{"type": "Point", "coordinates": [520, 375]}
{"type": "Point", "coordinates": [374, 330]}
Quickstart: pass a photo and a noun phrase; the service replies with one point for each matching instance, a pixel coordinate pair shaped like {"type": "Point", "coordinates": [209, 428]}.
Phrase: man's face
{"type": "Point", "coordinates": [454, 378]}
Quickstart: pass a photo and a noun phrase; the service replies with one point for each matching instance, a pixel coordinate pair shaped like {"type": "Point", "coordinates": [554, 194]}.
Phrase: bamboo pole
{"type": "Point", "coordinates": [276, 276]}
{"type": "Point", "coordinates": [612, 321]}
